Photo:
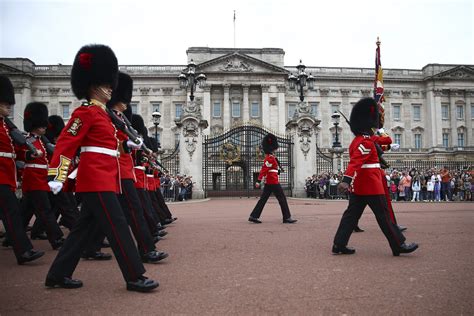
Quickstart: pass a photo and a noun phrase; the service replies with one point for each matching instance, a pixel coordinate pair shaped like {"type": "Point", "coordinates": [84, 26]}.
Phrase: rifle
{"type": "Point", "coordinates": [18, 137]}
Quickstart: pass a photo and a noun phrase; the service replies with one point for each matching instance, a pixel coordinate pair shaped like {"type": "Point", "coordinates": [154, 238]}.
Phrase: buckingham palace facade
{"type": "Point", "coordinates": [429, 111]}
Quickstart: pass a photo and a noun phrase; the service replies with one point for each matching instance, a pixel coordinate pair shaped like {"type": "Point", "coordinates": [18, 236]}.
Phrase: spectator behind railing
{"type": "Point", "coordinates": [406, 185]}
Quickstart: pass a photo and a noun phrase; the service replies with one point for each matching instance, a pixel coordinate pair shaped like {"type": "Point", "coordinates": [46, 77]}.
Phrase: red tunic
{"type": "Point", "coordinates": [7, 160]}
{"type": "Point", "coordinates": [89, 129]}
{"type": "Point", "coordinates": [150, 182]}
{"type": "Point", "coordinates": [125, 160]}
{"type": "Point", "coordinates": [364, 167]}
{"type": "Point", "coordinates": [35, 174]}
{"type": "Point", "coordinates": [269, 170]}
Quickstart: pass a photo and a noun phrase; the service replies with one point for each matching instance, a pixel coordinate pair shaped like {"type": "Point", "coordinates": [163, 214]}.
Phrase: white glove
{"type": "Point", "coordinates": [380, 131]}
{"type": "Point", "coordinates": [394, 146]}
{"type": "Point", "coordinates": [55, 186]}
{"type": "Point", "coordinates": [132, 145]}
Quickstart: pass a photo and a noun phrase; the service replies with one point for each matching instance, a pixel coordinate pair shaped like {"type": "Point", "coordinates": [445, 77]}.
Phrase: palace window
{"type": "Point", "coordinates": [155, 106]}
{"type": "Point", "coordinates": [65, 109]}
{"type": "Point", "coordinates": [334, 107]}
{"type": "Point", "coordinates": [235, 109]}
{"type": "Point", "coordinates": [416, 112]}
{"type": "Point", "coordinates": [460, 139]}
{"type": "Point", "coordinates": [417, 141]}
{"type": "Point", "coordinates": [134, 106]}
{"type": "Point", "coordinates": [396, 112]}
{"type": "Point", "coordinates": [216, 109]}
{"type": "Point", "coordinates": [291, 110]}
{"type": "Point", "coordinates": [178, 110]}
{"type": "Point", "coordinates": [460, 112]}
{"type": "Point", "coordinates": [255, 109]}
{"type": "Point", "coordinates": [397, 139]}
{"type": "Point", "coordinates": [445, 111]}
{"type": "Point", "coordinates": [472, 111]}
{"type": "Point", "coordinates": [445, 140]}
{"type": "Point", "coordinates": [314, 109]}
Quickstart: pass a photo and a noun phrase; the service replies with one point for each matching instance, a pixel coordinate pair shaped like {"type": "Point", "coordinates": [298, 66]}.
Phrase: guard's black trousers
{"type": "Point", "coordinates": [351, 216]}
{"type": "Point", "coordinates": [162, 203]}
{"type": "Point", "coordinates": [151, 216]}
{"type": "Point", "coordinates": [133, 210]}
{"type": "Point", "coordinates": [157, 207]}
{"type": "Point", "coordinates": [102, 208]}
{"type": "Point", "coordinates": [38, 202]}
{"type": "Point", "coordinates": [268, 189]}
{"type": "Point", "coordinates": [10, 215]}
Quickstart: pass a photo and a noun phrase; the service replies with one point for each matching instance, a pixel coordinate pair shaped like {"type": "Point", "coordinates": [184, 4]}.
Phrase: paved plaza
{"type": "Point", "coordinates": [221, 264]}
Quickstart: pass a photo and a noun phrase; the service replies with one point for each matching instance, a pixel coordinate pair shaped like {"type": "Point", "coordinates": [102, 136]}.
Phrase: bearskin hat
{"type": "Point", "coordinates": [128, 112]}
{"type": "Point", "coordinates": [139, 125]}
{"type": "Point", "coordinates": [269, 143]}
{"type": "Point", "coordinates": [94, 65]}
{"type": "Point", "coordinates": [7, 93]}
{"type": "Point", "coordinates": [35, 115]}
{"type": "Point", "coordinates": [123, 91]}
{"type": "Point", "coordinates": [364, 116]}
{"type": "Point", "coordinates": [55, 126]}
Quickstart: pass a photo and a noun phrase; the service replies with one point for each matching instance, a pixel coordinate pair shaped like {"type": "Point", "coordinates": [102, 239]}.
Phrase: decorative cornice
{"type": "Point", "coordinates": [324, 92]}
{"type": "Point", "coordinates": [281, 88]}
{"type": "Point", "coordinates": [167, 91]}
{"type": "Point", "coordinates": [366, 92]}
{"type": "Point", "coordinates": [265, 87]}
{"type": "Point", "coordinates": [406, 93]}
{"type": "Point", "coordinates": [144, 90]}
{"type": "Point", "coordinates": [345, 92]}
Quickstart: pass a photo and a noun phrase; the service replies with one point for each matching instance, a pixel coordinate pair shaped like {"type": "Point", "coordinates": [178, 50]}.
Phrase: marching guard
{"type": "Point", "coordinates": [90, 129]}
{"type": "Point", "coordinates": [270, 171]}
{"type": "Point", "coordinates": [9, 206]}
{"type": "Point", "coordinates": [363, 174]}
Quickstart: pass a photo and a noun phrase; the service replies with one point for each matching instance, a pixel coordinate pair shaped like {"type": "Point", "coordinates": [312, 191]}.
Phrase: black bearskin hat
{"type": "Point", "coordinates": [7, 93]}
{"type": "Point", "coordinates": [128, 112]}
{"type": "Point", "coordinates": [94, 65]}
{"type": "Point", "coordinates": [55, 126]}
{"type": "Point", "coordinates": [139, 125]}
{"type": "Point", "coordinates": [269, 143]}
{"type": "Point", "coordinates": [35, 115]}
{"type": "Point", "coordinates": [123, 92]}
{"type": "Point", "coordinates": [364, 116]}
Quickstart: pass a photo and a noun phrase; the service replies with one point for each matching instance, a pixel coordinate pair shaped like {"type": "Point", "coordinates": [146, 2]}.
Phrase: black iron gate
{"type": "Point", "coordinates": [232, 162]}
{"type": "Point", "coordinates": [323, 161]}
{"type": "Point", "coordinates": [171, 161]}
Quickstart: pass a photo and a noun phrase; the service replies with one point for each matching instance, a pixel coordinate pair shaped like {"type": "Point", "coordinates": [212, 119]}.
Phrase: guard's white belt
{"type": "Point", "coordinates": [149, 175]}
{"type": "Point", "coordinates": [100, 150]}
{"type": "Point", "coordinates": [34, 165]}
{"type": "Point", "coordinates": [273, 170]}
{"type": "Point", "coordinates": [7, 155]}
{"type": "Point", "coordinates": [371, 165]}
{"type": "Point", "coordinates": [139, 167]}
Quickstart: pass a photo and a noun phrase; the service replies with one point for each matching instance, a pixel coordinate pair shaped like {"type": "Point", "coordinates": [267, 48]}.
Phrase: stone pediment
{"type": "Point", "coordinates": [5, 70]}
{"type": "Point", "coordinates": [238, 63]}
{"type": "Point", "coordinates": [457, 73]}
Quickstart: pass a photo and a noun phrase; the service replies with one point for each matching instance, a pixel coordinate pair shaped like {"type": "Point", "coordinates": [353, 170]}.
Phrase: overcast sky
{"type": "Point", "coordinates": [322, 33]}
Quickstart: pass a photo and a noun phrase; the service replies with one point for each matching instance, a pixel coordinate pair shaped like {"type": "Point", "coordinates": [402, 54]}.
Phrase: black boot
{"type": "Point", "coordinates": [404, 248]}
{"type": "Point", "coordinates": [357, 229]}
{"type": "Point", "coordinates": [143, 284]}
{"type": "Point", "coordinates": [344, 250]}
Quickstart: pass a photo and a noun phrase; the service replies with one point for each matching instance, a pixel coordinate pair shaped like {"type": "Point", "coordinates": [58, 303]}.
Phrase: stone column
{"type": "Point", "coordinates": [325, 112]}
{"type": "Point", "coordinates": [206, 107]}
{"type": "Point", "coordinates": [469, 141]}
{"type": "Point", "coordinates": [226, 109]}
{"type": "Point", "coordinates": [301, 128]}
{"type": "Point", "coordinates": [265, 106]}
{"type": "Point", "coordinates": [245, 104]}
{"type": "Point", "coordinates": [191, 127]}
{"type": "Point", "coordinates": [22, 98]}
{"type": "Point", "coordinates": [281, 109]}
{"type": "Point", "coordinates": [453, 118]}
{"type": "Point", "coordinates": [434, 116]}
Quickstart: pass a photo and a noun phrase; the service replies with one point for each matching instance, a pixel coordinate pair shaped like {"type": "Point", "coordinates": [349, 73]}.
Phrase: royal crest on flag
{"type": "Point", "coordinates": [378, 82]}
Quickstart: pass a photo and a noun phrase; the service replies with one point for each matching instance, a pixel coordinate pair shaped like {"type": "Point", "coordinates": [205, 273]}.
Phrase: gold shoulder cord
{"type": "Point", "coordinates": [60, 173]}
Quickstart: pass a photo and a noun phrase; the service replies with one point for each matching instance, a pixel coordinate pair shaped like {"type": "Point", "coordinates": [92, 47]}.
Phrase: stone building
{"type": "Point", "coordinates": [429, 111]}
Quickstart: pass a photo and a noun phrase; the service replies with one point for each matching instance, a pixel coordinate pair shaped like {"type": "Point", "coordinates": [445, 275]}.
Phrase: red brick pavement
{"type": "Point", "coordinates": [221, 264]}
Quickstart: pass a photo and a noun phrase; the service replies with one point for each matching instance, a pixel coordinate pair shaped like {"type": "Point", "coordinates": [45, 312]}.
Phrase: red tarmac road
{"type": "Point", "coordinates": [221, 264]}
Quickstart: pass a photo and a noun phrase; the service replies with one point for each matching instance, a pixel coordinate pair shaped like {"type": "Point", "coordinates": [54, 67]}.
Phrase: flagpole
{"type": "Point", "coordinates": [234, 28]}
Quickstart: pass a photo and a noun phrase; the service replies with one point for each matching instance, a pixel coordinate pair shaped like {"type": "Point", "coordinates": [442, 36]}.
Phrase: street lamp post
{"type": "Point", "coordinates": [301, 80]}
{"type": "Point", "coordinates": [156, 117]}
{"type": "Point", "coordinates": [336, 149]}
{"type": "Point", "coordinates": [188, 78]}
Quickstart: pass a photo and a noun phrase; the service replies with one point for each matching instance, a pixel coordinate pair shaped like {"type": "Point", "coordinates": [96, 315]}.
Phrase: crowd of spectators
{"type": "Point", "coordinates": [429, 185]}
{"type": "Point", "coordinates": [176, 187]}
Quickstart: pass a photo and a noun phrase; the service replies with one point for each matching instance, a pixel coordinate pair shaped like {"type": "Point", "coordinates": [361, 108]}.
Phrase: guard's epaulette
{"type": "Point", "coordinates": [86, 103]}
{"type": "Point", "coordinates": [366, 136]}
